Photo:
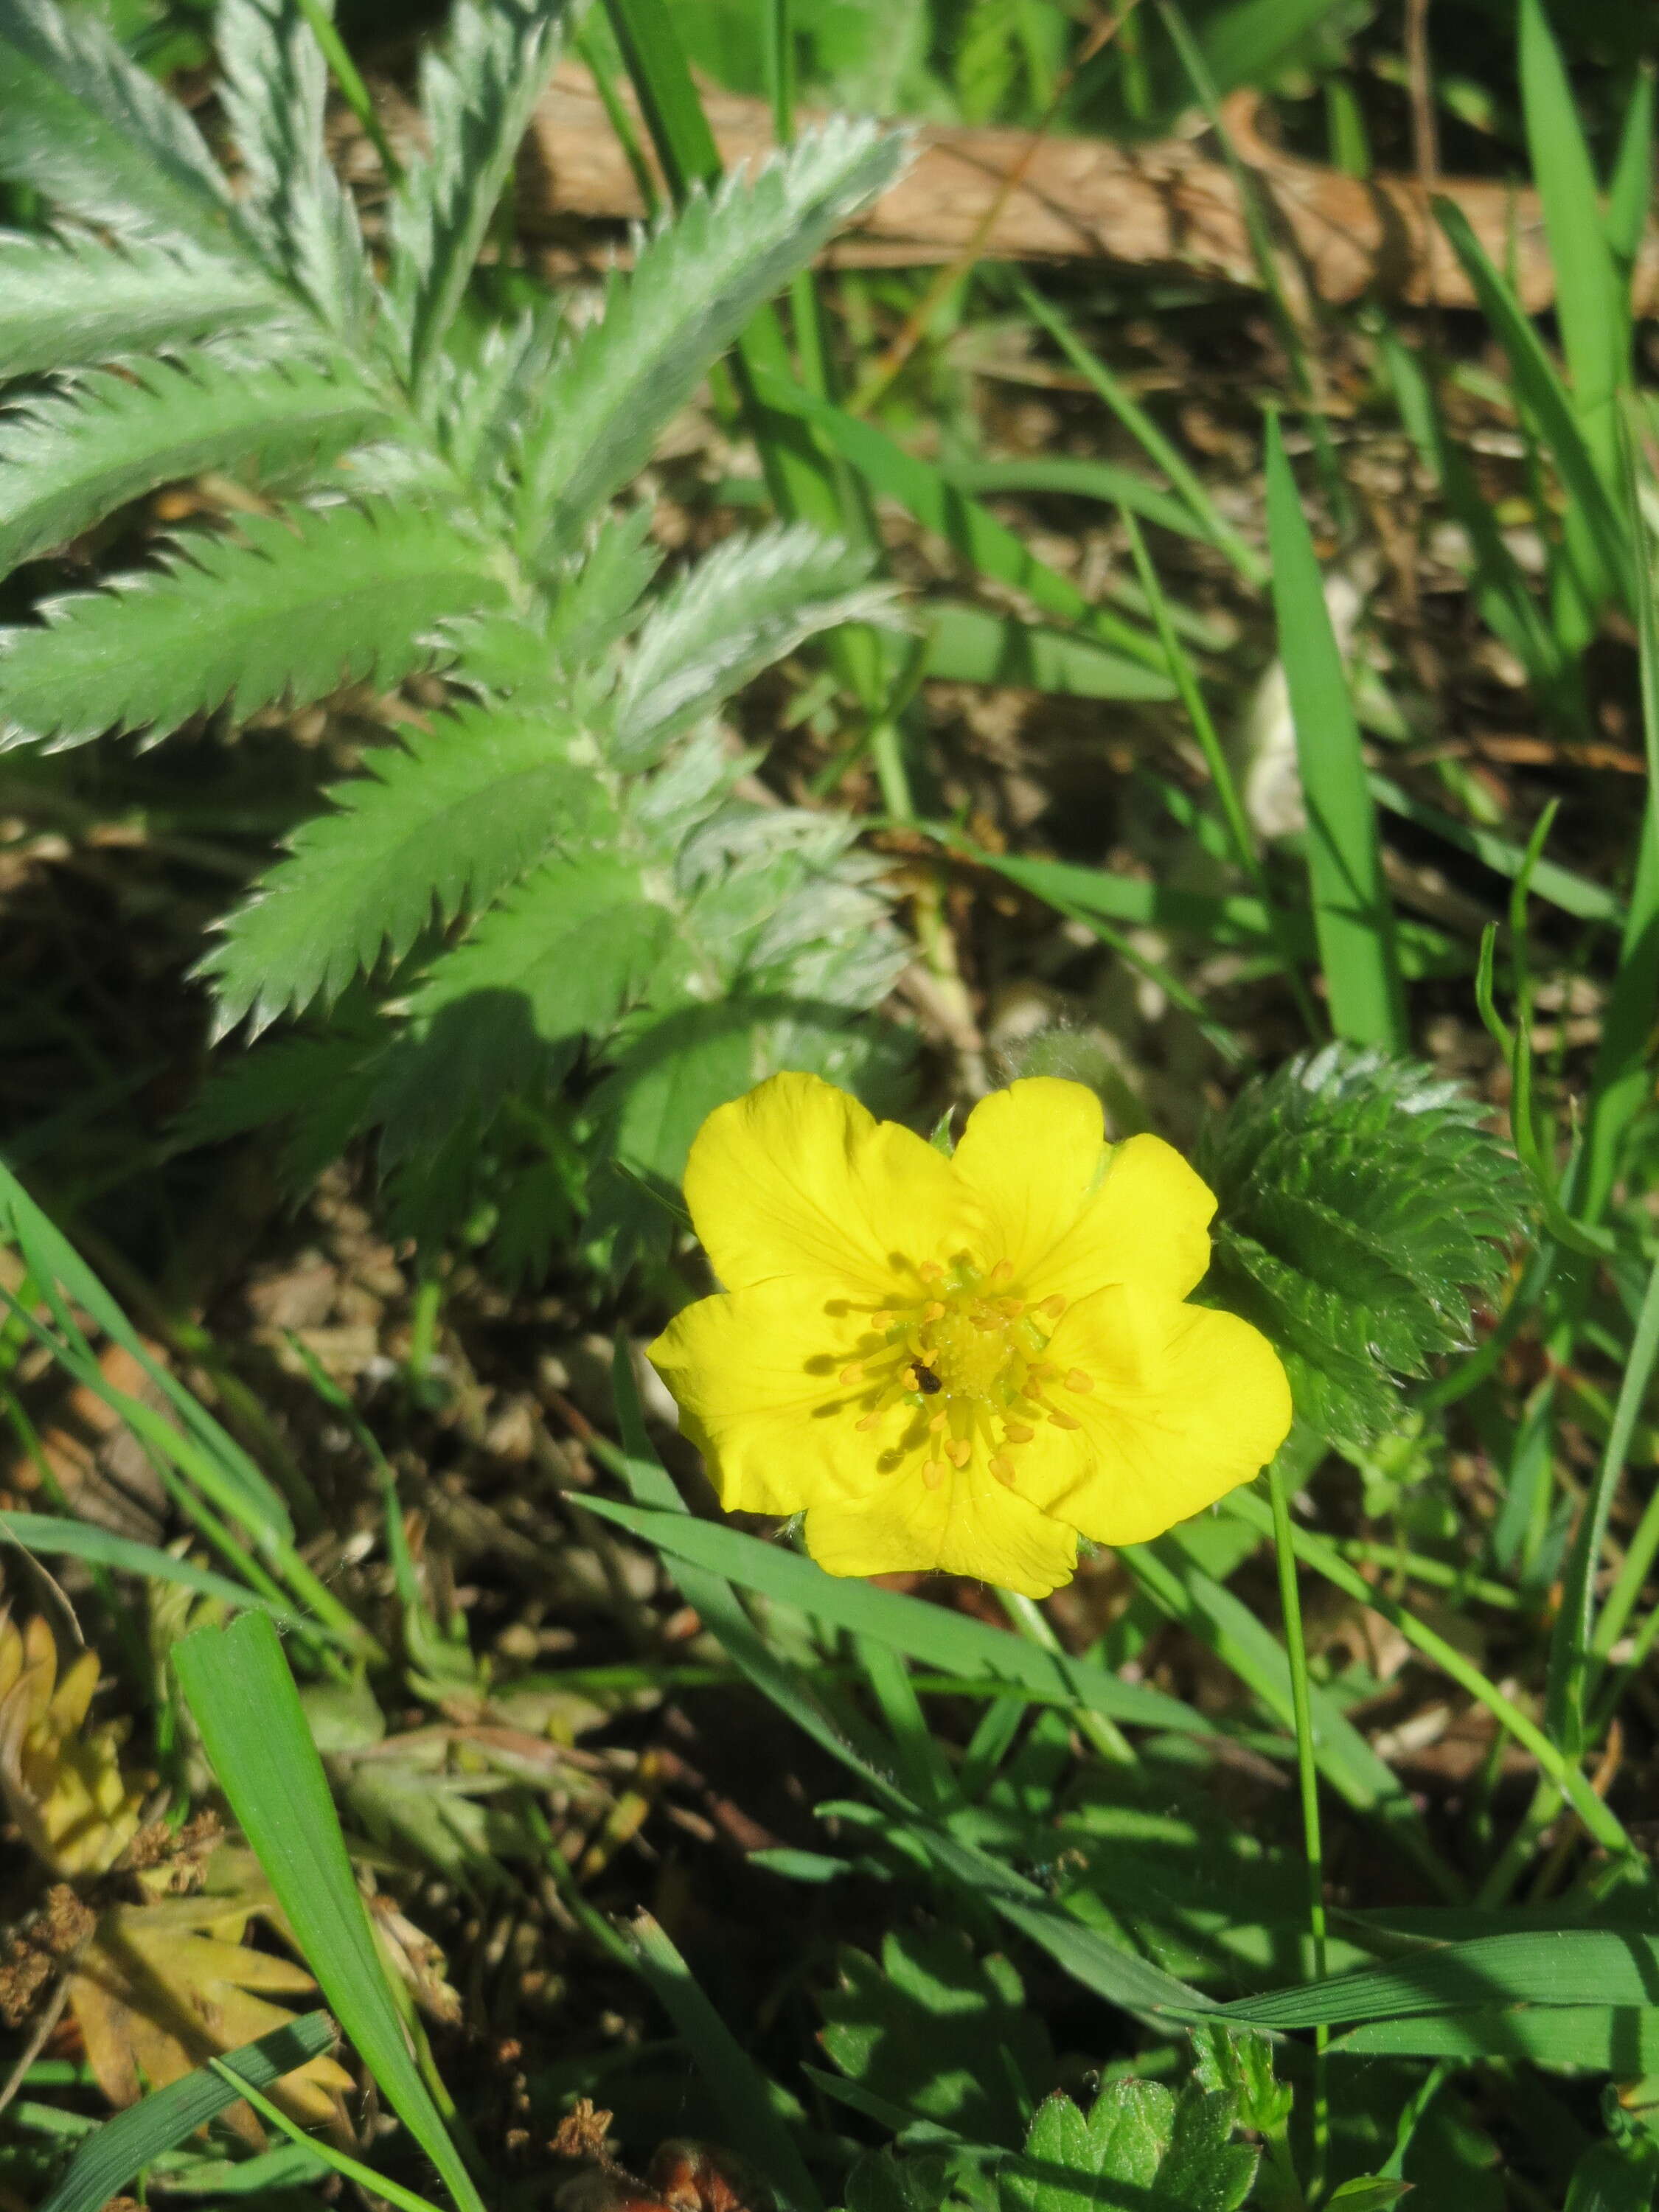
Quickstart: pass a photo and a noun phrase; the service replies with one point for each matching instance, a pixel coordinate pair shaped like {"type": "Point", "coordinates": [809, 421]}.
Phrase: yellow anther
{"type": "Point", "coordinates": [1003, 1270]}
{"type": "Point", "coordinates": [854, 1373]}
{"type": "Point", "coordinates": [1064, 1420]}
{"type": "Point", "coordinates": [1056, 1305]}
{"type": "Point", "coordinates": [1077, 1380]}
{"type": "Point", "coordinates": [912, 1380]}
{"type": "Point", "coordinates": [1012, 1309]}
{"type": "Point", "coordinates": [931, 1272]}
{"type": "Point", "coordinates": [960, 1450]}
{"type": "Point", "coordinates": [1003, 1468]}
{"type": "Point", "coordinates": [1017, 1433]}
{"type": "Point", "coordinates": [869, 1421]}
{"type": "Point", "coordinates": [937, 1421]}
{"type": "Point", "coordinates": [934, 1312]}
{"type": "Point", "coordinates": [933, 1472]}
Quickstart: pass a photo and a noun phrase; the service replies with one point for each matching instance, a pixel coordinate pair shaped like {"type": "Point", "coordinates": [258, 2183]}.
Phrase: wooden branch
{"type": "Point", "coordinates": [1165, 206]}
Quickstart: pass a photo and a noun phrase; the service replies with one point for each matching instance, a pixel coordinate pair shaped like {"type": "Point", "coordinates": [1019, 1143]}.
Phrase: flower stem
{"type": "Point", "coordinates": [1033, 1624]}
{"type": "Point", "coordinates": [1308, 1774]}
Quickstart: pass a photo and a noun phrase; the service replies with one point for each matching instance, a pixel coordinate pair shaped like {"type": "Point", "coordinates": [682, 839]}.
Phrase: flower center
{"type": "Point", "coordinates": [967, 1353]}
{"type": "Point", "coordinates": [964, 1356]}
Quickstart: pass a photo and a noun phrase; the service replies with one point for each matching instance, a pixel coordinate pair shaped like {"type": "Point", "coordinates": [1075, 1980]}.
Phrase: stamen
{"type": "Point", "coordinates": [1063, 1420]}
{"type": "Point", "coordinates": [1056, 1305]}
{"type": "Point", "coordinates": [1003, 1270]}
{"type": "Point", "coordinates": [934, 1312]}
{"type": "Point", "coordinates": [933, 1472]}
{"type": "Point", "coordinates": [960, 1450]}
{"type": "Point", "coordinates": [1077, 1380]}
{"type": "Point", "coordinates": [912, 1380]}
{"type": "Point", "coordinates": [931, 1272]}
{"type": "Point", "coordinates": [1016, 1432]}
{"type": "Point", "coordinates": [937, 1420]}
{"type": "Point", "coordinates": [1012, 1308]}
{"type": "Point", "coordinates": [869, 1420]}
{"type": "Point", "coordinates": [854, 1373]}
{"type": "Point", "coordinates": [1003, 1468]}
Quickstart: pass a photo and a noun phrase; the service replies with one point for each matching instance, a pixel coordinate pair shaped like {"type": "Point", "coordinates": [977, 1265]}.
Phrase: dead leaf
{"type": "Point", "coordinates": [62, 1781]}
{"type": "Point", "coordinates": [161, 1988]}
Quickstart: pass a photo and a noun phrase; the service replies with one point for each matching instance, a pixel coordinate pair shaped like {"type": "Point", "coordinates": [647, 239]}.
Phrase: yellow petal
{"type": "Point", "coordinates": [1186, 1404]}
{"type": "Point", "coordinates": [1034, 1154]}
{"type": "Point", "coordinates": [797, 1178]}
{"type": "Point", "coordinates": [970, 1525]}
{"type": "Point", "coordinates": [755, 1376]}
{"type": "Point", "coordinates": [1148, 1225]}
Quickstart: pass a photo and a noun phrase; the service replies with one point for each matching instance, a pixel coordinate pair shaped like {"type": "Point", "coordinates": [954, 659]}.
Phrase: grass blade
{"type": "Point", "coordinates": [741, 2091]}
{"type": "Point", "coordinates": [123, 2147]}
{"type": "Point", "coordinates": [1589, 311]}
{"type": "Point", "coordinates": [972, 532]}
{"type": "Point", "coordinates": [238, 1686]}
{"type": "Point", "coordinates": [1352, 913]}
{"type": "Point", "coordinates": [55, 1538]}
{"type": "Point", "coordinates": [948, 1641]}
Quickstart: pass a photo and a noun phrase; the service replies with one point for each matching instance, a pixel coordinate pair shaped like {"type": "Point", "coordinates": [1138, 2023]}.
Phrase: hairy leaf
{"type": "Point", "coordinates": [68, 459]}
{"type": "Point", "coordinates": [742, 607]}
{"type": "Point", "coordinates": [695, 283]}
{"type": "Point", "coordinates": [1362, 1210]}
{"type": "Point", "coordinates": [274, 87]}
{"type": "Point", "coordinates": [63, 305]}
{"type": "Point", "coordinates": [96, 134]}
{"type": "Point", "coordinates": [288, 609]}
{"type": "Point", "coordinates": [478, 92]}
{"type": "Point", "coordinates": [477, 398]}
{"type": "Point", "coordinates": [440, 821]}
{"type": "Point", "coordinates": [557, 958]}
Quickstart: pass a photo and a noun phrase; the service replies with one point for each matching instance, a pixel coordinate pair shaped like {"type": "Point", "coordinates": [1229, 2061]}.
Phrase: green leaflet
{"type": "Point", "coordinates": [67, 303]}
{"type": "Point", "coordinates": [443, 820]}
{"type": "Point", "coordinates": [67, 460]}
{"type": "Point", "coordinates": [290, 608]}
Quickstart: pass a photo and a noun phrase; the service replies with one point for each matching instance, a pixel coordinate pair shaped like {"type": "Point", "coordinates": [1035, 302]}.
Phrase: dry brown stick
{"type": "Point", "coordinates": [1166, 205]}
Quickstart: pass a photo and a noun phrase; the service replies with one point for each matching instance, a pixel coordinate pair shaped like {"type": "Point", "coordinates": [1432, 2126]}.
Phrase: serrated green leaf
{"type": "Point", "coordinates": [478, 92]}
{"type": "Point", "coordinates": [288, 609]}
{"type": "Point", "coordinates": [695, 283]}
{"type": "Point", "coordinates": [559, 957]}
{"type": "Point", "coordinates": [740, 609]}
{"type": "Point", "coordinates": [66, 304]}
{"type": "Point", "coordinates": [1362, 1212]}
{"type": "Point", "coordinates": [97, 135]}
{"type": "Point", "coordinates": [937, 2030]}
{"type": "Point", "coordinates": [442, 821]}
{"type": "Point", "coordinates": [1139, 2149]}
{"type": "Point", "coordinates": [70, 458]}
{"type": "Point", "coordinates": [274, 84]}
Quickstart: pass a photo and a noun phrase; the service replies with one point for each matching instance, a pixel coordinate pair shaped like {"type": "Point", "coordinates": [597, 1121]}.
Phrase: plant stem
{"type": "Point", "coordinates": [1034, 1625]}
{"type": "Point", "coordinates": [1308, 1776]}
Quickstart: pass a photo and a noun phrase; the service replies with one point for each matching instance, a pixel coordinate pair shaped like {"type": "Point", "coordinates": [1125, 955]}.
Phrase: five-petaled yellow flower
{"type": "Point", "coordinates": [961, 1363]}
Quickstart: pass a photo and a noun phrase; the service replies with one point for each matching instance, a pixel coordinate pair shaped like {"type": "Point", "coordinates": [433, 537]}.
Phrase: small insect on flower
{"type": "Point", "coordinates": [961, 1363]}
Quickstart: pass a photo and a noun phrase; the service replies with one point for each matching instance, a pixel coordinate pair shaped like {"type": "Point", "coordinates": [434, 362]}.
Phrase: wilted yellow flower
{"type": "Point", "coordinates": [961, 1363]}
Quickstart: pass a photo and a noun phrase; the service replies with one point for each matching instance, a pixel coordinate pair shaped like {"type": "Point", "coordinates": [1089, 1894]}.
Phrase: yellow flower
{"type": "Point", "coordinates": [961, 1363]}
